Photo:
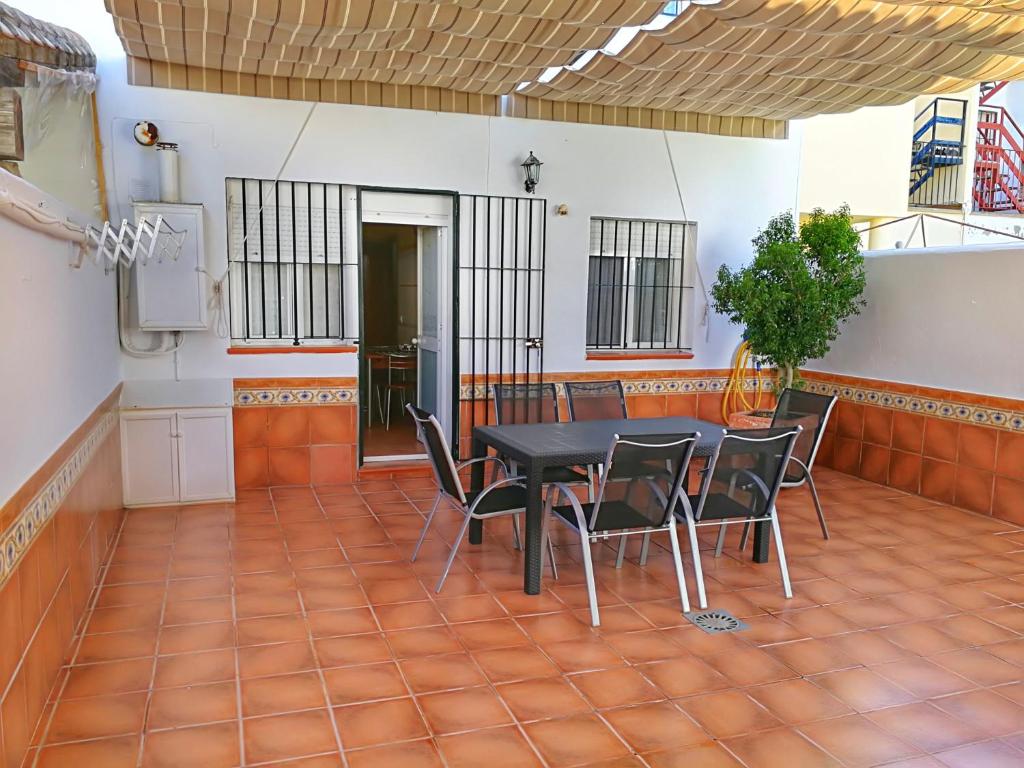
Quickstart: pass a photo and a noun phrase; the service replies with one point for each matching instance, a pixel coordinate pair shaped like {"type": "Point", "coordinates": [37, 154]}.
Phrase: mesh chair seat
{"type": "Point", "coordinates": [564, 475]}
{"type": "Point", "coordinates": [613, 516]}
{"type": "Point", "coordinates": [718, 506]}
{"type": "Point", "coordinates": [498, 500]}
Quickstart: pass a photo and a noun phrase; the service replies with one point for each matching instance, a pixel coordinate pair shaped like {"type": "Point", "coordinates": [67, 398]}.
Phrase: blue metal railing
{"type": "Point", "coordinates": [937, 153]}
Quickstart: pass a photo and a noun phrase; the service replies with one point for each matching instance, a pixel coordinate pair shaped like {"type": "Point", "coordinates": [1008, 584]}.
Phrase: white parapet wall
{"type": "Point", "coordinates": [947, 317]}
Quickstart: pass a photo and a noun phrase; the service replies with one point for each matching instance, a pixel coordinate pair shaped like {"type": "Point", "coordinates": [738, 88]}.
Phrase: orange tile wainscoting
{"type": "Point", "coordinates": [953, 447]}
{"type": "Point", "coordinates": [57, 532]}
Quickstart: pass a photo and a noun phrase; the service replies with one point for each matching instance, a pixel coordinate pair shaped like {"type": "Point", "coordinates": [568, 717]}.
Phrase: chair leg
{"type": "Point", "coordinates": [426, 525]}
{"type": "Point", "coordinates": [588, 569]}
{"type": "Point", "coordinates": [677, 556]}
{"type": "Point", "coordinates": [620, 556]}
{"type": "Point", "coordinates": [546, 535]}
{"type": "Point", "coordinates": [817, 505]}
{"type": "Point", "coordinates": [721, 540]}
{"type": "Point", "coordinates": [645, 548]}
{"type": "Point", "coordinates": [787, 588]}
{"type": "Point", "coordinates": [517, 536]}
{"type": "Point", "coordinates": [698, 572]}
{"type": "Point", "coordinates": [744, 536]}
{"type": "Point", "coordinates": [387, 412]}
{"type": "Point", "coordinates": [455, 548]}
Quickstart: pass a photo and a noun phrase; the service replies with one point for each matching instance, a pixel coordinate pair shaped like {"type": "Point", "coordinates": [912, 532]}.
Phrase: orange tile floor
{"type": "Point", "coordinates": [290, 629]}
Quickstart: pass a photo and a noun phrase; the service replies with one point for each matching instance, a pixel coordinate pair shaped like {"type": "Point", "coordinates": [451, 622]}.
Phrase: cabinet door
{"type": "Point", "coordinates": [171, 293]}
{"type": "Point", "coordinates": [205, 454]}
{"type": "Point", "coordinates": [150, 457]}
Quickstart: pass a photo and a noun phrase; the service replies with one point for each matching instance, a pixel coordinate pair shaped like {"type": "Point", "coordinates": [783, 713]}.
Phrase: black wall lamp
{"type": "Point", "coordinates": [531, 166]}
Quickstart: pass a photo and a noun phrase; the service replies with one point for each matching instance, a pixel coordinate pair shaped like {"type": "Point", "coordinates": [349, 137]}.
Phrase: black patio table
{"type": "Point", "coordinates": [536, 447]}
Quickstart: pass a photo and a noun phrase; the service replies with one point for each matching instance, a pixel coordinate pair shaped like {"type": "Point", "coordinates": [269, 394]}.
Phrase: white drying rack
{"type": "Point", "coordinates": [125, 244]}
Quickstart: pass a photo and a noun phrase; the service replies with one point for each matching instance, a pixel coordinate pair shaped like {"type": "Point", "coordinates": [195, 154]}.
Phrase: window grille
{"type": "Point", "coordinates": [291, 277]}
{"type": "Point", "coordinates": [640, 284]}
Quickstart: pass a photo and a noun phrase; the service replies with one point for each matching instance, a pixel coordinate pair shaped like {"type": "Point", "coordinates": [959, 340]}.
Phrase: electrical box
{"type": "Point", "coordinates": [171, 294]}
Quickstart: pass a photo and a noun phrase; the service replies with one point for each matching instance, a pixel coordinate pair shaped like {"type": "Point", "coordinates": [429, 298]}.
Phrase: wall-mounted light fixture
{"type": "Point", "coordinates": [531, 166]}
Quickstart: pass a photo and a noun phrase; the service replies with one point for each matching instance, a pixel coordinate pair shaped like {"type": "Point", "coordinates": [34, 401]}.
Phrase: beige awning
{"type": "Point", "coordinates": [737, 66]}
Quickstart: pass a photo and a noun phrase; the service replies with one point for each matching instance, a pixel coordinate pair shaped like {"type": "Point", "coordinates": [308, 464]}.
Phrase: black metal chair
{"type": "Point", "coordinates": [627, 503]}
{"type": "Point", "coordinates": [810, 411]}
{"type": "Point", "coordinates": [535, 404]}
{"type": "Point", "coordinates": [506, 496]}
{"type": "Point", "coordinates": [592, 400]}
{"type": "Point", "coordinates": [740, 485]}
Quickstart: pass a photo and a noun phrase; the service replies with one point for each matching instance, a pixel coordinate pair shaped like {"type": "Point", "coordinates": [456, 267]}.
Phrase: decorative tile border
{"type": "Point", "coordinates": [952, 410]}
{"type": "Point", "coordinates": [661, 386]}
{"type": "Point", "coordinates": [296, 396]}
{"type": "Point", "coordinates": [18, 537]}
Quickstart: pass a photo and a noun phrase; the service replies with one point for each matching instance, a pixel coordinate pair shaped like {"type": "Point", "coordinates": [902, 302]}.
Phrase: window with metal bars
{"type": "Point", "coordinates": [290, 282]}
{"type": "Point", "coordinates": [639, 284]}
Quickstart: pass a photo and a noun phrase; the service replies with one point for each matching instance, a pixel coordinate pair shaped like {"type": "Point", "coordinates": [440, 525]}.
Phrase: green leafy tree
{"type": "Point", "coordinates": [803, 283]}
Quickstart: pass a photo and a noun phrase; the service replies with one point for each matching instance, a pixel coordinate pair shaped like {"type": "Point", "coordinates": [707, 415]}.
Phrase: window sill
{"type": "Point", "coordinates": [289, 350]}
{"type": "Point", "coordinates": [639, 354]}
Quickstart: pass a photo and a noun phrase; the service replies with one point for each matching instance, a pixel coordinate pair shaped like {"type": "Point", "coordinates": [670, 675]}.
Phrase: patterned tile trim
{"type": "Point", "coordinates": [681, 386]}
{"type": "Point", "coordinates": [998, 418]}
{"type": "Point", "coordinates": [18, 537]}
{"type": "Point", "coordinates": [297, 396]}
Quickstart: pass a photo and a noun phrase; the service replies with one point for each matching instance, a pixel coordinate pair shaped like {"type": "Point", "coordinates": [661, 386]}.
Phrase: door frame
{"type": "Point", "coordinates": [453, 340]}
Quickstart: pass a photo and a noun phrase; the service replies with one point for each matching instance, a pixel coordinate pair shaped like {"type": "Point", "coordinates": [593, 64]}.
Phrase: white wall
{"type": "Point", "coordinates": [943, 317]}
{"type": "Point", "coordinates": [730, 187]}
{"type": "Point", "coordinates": [59, 351]}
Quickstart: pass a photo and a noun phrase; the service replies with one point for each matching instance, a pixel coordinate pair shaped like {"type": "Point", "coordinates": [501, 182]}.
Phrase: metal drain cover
{"type": "Point", "coordinates": [716, 621]}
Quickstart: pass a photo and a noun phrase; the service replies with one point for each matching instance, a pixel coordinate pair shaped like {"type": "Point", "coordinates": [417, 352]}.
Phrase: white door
{"type": "Point", "coordinates": [150, 457]}
{"type": "Point", "coordinates": [205, 458]}
{"type": "Point", "coordinates": [428, 336]}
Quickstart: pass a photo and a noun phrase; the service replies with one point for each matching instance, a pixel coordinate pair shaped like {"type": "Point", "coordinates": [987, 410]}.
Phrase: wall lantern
{"type": "Point", "coordinates": [531, 166]}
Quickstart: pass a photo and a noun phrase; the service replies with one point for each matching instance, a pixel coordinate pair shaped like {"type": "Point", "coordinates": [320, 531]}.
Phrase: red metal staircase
{"type": "Point", "coordinates": [999, 159]}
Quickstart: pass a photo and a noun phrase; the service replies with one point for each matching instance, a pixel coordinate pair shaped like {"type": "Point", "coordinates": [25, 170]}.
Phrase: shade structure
{"type": "Point", "coordinates": [747, 64]}
{"type": "Point", "coordinates": [28, 39]}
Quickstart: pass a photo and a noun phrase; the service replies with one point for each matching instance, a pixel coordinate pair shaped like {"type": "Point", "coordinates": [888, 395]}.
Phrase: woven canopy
{"type": "Point", "coordinates": [747, 63]}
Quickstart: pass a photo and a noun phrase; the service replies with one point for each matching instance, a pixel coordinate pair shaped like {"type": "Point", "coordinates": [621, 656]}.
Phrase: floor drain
{"type": "Point", "coordinates": [716, 621]}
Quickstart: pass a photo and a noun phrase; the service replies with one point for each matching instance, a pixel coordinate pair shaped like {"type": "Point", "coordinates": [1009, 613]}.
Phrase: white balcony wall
{"type": "Point", "coordinates": [947, 317]}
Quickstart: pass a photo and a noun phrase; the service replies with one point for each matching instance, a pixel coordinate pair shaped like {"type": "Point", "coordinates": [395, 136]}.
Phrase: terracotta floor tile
{"type": "Point", "coordinates": [463, 710]}
{"type": "Point", "coordinates": [280, 659]}
{"type": "Point", "coordinates": [542, 699]}
{"type": "Point", "coordinates": [197, 611]}
{"type": "Point", "coordinates": [78, 719]}
{"type": "Point", "coordinates": [640, 647]}
{"type": "Point", "coordinates": [410, 754]}
{"type": "Point", "coordinates": [282, 693]}
{"type": "Point", "coordinates": [365, 725]}
{"type": "Point", "coordinates": [577, 740]}
{"type": "Point", "coordinates": [211, 746]}
{"type": "Point", "coordinates": [979, 666]}
{"type": "Point", "coordinates": [857, 742]}
{"type": "Point", "coordinates": [280, 737]}
{"type": "Point", "coordinates": [798, 701]}
{"type": "Point", "coordinates": [122, 752]}
{"type": "Point", "coordinates": [582, 655]}
{"type": "Point", "coordinates": [352, 650]}
{"type": "Point", "coordinates": [728, 713]}
{"type": "Point", "coordinates": [351, 685]}
{"type": "Point", "coordinates": [470, 608]}
{"type": "Point", "coordinates": [653, 727]}
{"type": "Point", "coordinates": [751, 666]}
{"type": "Point", "coordinates": [923, 678]}
{"type": "Point", "coordinates": [684, 676]}
{"type": "Point", "coordinates": [709, 754]}
{"type": "Point", "coordinates": [408, 615]}
{"type": "Point", "coordinates": [504, 665]}
{"type": "Point", "coordinates": [496, 747]}
{"type": "Point", "coordinates": [109, 678]}
{"type": "Point", "coordinates": [989, 754]}
{"type": "Point", "coordinates": [925, 726]}
{"type": "Point", "coordinates": [496, 633]}
{"type": "Point", "coordinates": [439, 673]}
{"type": "Point", "coordinates": [615, 688]}
{"type": "Point", "coordinates": [989, 712]}
{"type": "Point", "coordinates": [423, 641]}
{"type": "Point", "coordinates": [862, 689]}
{"type": "Point", "coordinates": [780, 748]}
{"type": "Point", "coordinates": [116, 646]}
{"type": "Point", "coordinates": [194, 668]}
{"type": "Point", "coordinates": [194, 705]}
{"type": "Point", "coordinates": [337, 623]}
{"type": "Point", "coordinates": [197, 637]}
{"type": "Point", "coordinates": [811, 657]}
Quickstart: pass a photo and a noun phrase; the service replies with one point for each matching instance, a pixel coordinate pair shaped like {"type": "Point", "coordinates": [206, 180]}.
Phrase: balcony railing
{"type": "Point", "coordinates": [937, 154]}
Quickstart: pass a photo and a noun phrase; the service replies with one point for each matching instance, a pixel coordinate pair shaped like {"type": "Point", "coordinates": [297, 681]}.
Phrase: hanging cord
{"type": "Point", "coordinates": [706, 315]}
{"type": "Point", "coordinates": [216, 302]}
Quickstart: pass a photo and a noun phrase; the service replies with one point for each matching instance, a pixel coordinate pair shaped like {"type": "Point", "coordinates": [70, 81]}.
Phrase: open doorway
{"type": "Point", "coordinates": [405, 352]}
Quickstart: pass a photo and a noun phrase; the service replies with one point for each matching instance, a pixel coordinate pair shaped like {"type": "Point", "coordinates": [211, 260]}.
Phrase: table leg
{"type": "Point", "coordinates": [762, 540]}
{"type": "Point", "coordinates": [534, 531]}
{"type": "Point", "coordinates": [476, 527]}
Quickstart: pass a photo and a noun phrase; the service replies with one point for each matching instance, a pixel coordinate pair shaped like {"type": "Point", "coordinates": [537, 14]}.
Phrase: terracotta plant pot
{"type": "Point", "coordinates": [750, 420]}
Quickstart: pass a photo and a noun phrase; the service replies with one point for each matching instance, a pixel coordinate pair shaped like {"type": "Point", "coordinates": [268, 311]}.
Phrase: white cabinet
{"type": "Point", "coordinates": [171, 294]}
{"type": "Point", "coordinates": [174, 456]}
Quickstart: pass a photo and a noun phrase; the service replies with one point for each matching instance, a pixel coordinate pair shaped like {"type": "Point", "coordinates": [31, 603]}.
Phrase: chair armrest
{"type": "Point", "coordinates": [468, 462]}
{"type": "Point", "coordinates": [516, 480]}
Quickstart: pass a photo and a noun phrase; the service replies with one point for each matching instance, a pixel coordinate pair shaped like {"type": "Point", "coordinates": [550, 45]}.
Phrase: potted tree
{"type": "Point", "coordinates": [803, 283]}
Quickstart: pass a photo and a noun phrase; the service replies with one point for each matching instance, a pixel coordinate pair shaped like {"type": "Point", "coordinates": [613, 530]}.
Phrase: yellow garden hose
{"type": "Point", "coordinates": [735, 395]}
